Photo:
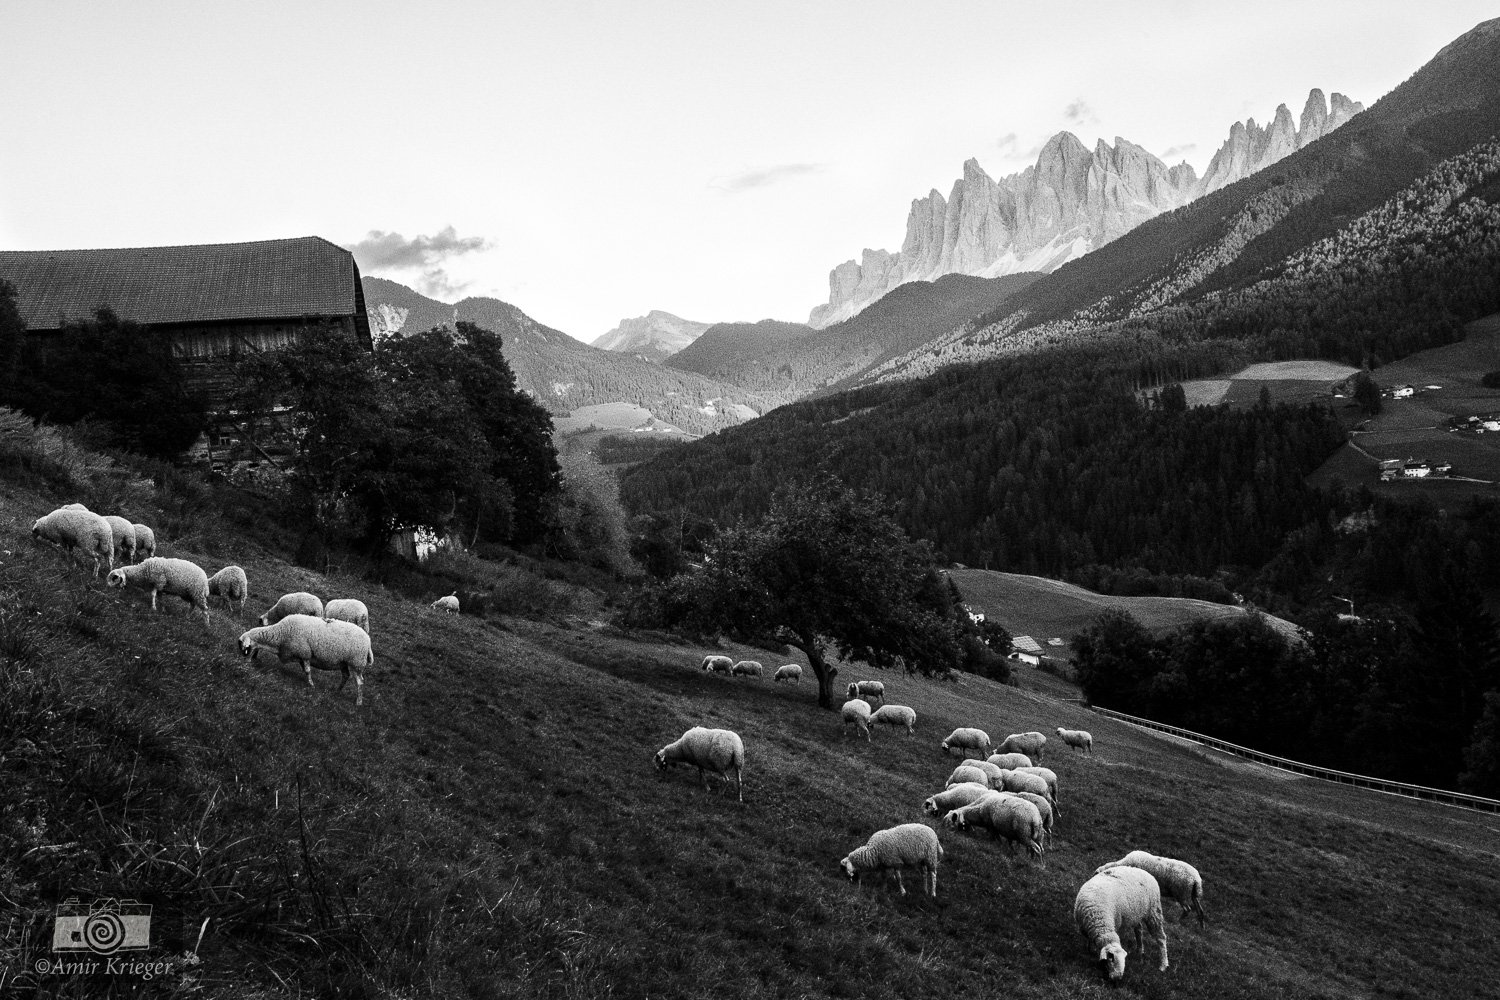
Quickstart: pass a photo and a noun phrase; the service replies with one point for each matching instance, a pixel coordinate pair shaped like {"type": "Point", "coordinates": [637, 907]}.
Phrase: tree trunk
{"type": "Point", "coordinates": [824, 671]}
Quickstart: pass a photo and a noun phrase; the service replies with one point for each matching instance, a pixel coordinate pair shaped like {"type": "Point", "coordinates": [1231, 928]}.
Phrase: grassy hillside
{"type": "Point", "coordinates": [489, 822]}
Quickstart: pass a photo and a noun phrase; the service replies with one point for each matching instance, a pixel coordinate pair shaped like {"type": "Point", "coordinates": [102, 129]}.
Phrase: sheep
{"type": "Point", "coordinates": [897, 715]}
{"type": "Point", "coordinates": [873, 690]}
{"type": "Point", "coordinates": [73, 506]}
{"type": "Point", "coordinates": [961, 794]}
{"type": "Point", "coordinates": [910, 845]}
{"type": "Point", "coordinates": [230, 583]}
{"type": "Point", "coordinates": [1078, 739]}
{"type": "Point", "coordinates": [857, 711]}
{"type": "Point", "coordinates": [297, 603]}
{"type": "Point", "coordinates": [1015, 819]}
{"type": "Point", "coordinates": [145, 541]}
{"type": "Point", "coordinates": [991, 772]}
{"type": "Point", "coordinates": [122, 533]}
{"type": "Point", "coordinates": [1010, 761]}
{"type": "Point", "coordinates": [965, 772]}
{"type": "Point", "coordinates": [791, 672]}
{"type": "Point", "coordinates": [1025, 781]}
{"type": "Point", "coordinates": [968, 739]}
{"type": "Point", "coordinates": [1177, 880]}
{"type": "Point", "coordinates": [166, 576]}
{"type": "Point", "coordinates": [348, 609]}
{"type": "Point", "coordinates": [716, 750]}
{"type": "Point", "coordinates": [718, 664]}
{"type": "Point", "coordinates": [313, 642]}
{"type": "Point", "coordinates": [1047, 775]}
{"type": "Point", "coordinates": [750, 668]}
{"type": "Point", "coordinates": [78, 528]}
{"type": "Point", "coordinates": [1116, 902]}
{"type": "Point", "coordinates": [1043, 806]}
{"type": "Point", "coordinates": [1030, 744]}
{"type": "Point", "coordinates": [448, 604]}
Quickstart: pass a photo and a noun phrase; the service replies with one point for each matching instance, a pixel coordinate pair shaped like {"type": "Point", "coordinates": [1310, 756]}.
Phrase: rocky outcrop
{"type": "Point", "coordinates": [1070, 202]}
{"type": "Point", "coordinates": [653, 337]}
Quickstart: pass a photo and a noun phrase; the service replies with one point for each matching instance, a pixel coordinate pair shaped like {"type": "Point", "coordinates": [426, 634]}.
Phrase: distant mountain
{"type": "Point", "coordinates": [563, 374]}
{"type": "Point", "coordinates": [792, 359]}
{"type": "Point", "coordinates": [1071, 202]}
{"type": "Point", "coordinates": [652, 337]}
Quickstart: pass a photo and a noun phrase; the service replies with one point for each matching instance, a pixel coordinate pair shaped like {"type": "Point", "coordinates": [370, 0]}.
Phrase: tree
{"type": "Point", "coordinates": [1115, 658]}
{"type": "Point", "coordinates": [827, 565]}
{"type": "Point", "coordinates": [1367, 393]}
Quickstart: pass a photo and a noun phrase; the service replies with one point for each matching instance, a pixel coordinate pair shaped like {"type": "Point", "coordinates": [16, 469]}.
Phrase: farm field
{"type": "Point", "coordinates": [613, 417]}
{"type": "Point", "coordinates": [489, 822]}
{"type": "Point", "coordinates": [1299, 381]}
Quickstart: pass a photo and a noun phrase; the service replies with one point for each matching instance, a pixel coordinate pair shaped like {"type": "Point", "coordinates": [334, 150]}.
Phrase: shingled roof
{"type": "Point", "coordinates": [270, 279]}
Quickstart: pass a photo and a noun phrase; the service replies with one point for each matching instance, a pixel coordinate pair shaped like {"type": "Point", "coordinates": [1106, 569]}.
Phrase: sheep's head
{"type": "Point", "coordinates": [956, 820]}
{"type": "Point", "coordinates": [1112, 961]}
{"type": "Point", "coordinates": [930, 807]}
{"type": "Point", "coordinates": [36, 528]}
{"type": "Point", "coordinates": [848, 867]}
{"type": "Point", "coordinates": [247, 645]}
{"type": "Point", "coordinates": [116, 578]}
{"type": "Point", "coordinates": [661, 759]}
{"type": "Point", "coordinates": [264, 620]}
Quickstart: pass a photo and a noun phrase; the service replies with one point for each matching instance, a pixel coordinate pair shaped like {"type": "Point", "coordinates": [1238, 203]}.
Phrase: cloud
{"type": "Point", "coordinates": [1177, 151]}
{"type": "Point", "coordinates": [752, 179]}
{"type": "Point", "coordinates": [381, 250]}
{"type": "Point", "coordinates": [1009, 144]}
{"type": "Point", "coordinates": [1079, 113]}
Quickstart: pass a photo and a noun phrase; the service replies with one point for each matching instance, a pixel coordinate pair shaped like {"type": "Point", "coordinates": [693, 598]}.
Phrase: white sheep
{"type": "Point", "coordinates": [123, 534]}
{"type": "Point", "coordinates": [230, 583]}
{"type": "Point", "coordinates": [1030, 744]}
{"type": "Point", "coordinates": [1024, 781]}
{"type": "Point", "coordinates": [78, 528]}
{"type": "Point", "coordinates": [297, 603]}
{"type": "Point", "coordinates": [857, 711]}
{"type": "Point", "coordinates": [1007, 816]}
{"type": "Point", "coordinates": [1046, 774]}
{"type": "Point", "coordinates": [73, 506]}
{"type": "Point", "coordinates": [750, 668]}
{"type": "Point", "coordinates": [873, 690]}
{"type": "Point", "coordinates": [897, 715]}
{"type": "Point", "coordinates": [1117, 902]}
{"type": "Point", "coordinates": [145, 541]}
{"type": "Point", "coordinates": [166, 576]}
{"type": "Point", "coordinates": [961, 794]}
{"type": "Point", "coordinates": [313, 642]}
{"type": "Point", "coordinates": [910, 845]}
{"type": "Point", "coordinates": [348, 609]}
{"type": "Point", "coordinates": [1078, 739]}
{"type": "Point", "coordinates": [1043, 806]}
{"type": "Point", "coordinates": [717, 750]}
{"type": "Point", "coordinates": [966, 772]}
{"type": "Point", "coordinates": [1010, 761]}
{"type": "Point", "coordinates": [1177, 880]}
{"type": "Point", "coordinates": [448, 604]}
{"type": "Point", "coordinates": [968, 739]}
{"type": "Point", "coordinates": [991, 772]}
{"type": "Point", "coordinates": [718, 664]}
{"type": "Point", "coordinates": [791, 672]}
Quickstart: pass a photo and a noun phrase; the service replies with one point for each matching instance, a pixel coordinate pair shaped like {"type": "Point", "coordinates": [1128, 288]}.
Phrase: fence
{"type": "Point", "coordinates": [1326, 774]}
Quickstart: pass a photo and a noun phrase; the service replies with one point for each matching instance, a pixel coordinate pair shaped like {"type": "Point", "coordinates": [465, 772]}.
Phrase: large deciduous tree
{"type": "Point", "coordinates": [827, 565]}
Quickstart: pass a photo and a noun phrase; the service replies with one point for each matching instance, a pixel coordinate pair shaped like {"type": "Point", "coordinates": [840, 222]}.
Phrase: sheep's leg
{"type": "Point", "coordinates": [900, 884]}
{"type": "Point", "coordinates": [153, 599]}
{"type": "Point", "coordinates": [739, 784]}
{"type": "Point", "coordinates": [307, 669]}
{"type": "Point", "coordinates": [359, 689]}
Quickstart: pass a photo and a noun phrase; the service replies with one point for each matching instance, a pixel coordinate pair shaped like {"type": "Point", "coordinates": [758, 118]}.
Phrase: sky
{"type": "Point", "coordinates": [592, 161]}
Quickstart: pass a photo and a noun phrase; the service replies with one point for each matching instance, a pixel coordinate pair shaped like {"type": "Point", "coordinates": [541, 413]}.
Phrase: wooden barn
{"type": "Point", "coordinates": [214, 302]}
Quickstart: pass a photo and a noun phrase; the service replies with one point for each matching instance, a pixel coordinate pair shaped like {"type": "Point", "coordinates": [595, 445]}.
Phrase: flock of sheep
{"type": "Point", "coordinates": [995, 788]}
{"type": "Point", "coordinates": [298, 628]}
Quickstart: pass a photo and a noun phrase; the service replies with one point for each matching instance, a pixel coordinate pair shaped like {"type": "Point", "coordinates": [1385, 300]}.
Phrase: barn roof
{"type": "Point", "coordinates": [1025, 644]}
{"type": "Point", "coordinates": [268, 279]}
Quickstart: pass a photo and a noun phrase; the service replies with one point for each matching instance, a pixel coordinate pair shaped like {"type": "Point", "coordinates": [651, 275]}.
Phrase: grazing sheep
{"type": "Point", "coordinates": [448, 604]}
{"type": "Point", "coordinates": [791, 672]}
{"type": "Point", "coordinates": [991, 772]}
{"type": "Point", "coordinates": [297, 603]}
{"type": "Point", "coordinates": [145, 541]}
{"type": "Point", "coordinates": [1025, 781]}
{"type": "Point", "coordinates": [313, 642]}
{"type": "Point", "coordinates": [1030, 744]}
{"type": "Point", "coordinates": [910, 845]}
{"type": "Point", "coordinates": [716, 750]}
{"type": "Point", "coordinates": [966, 772]}
{"type": "Point", "coordinates": [961, 794]}
{"type": "Point", "coordinates": [166, 576]}
{"type": "Point", "coordinates": [1177, 880]}
{"type": "Point", "coordinates": [976, 740]}
{"type": "Point", "coordinates": [750, 668]}
{"type": "Point", "coordinates": [230, 584]}
{"type": "Point", "coordinates": [122, 532]}
{"type": "Point", "coordinates": [897, 715]}
{"type": "Point", "coordinates": [78, 528]}
{"type": "Point", "coordinates": [1116, 902]}
{"type": "Point", "coordinates": [1078, 739]}
{"type": "Point", "coordinates": [1007, 816]}
{"type": "Point", "coordinates": [348, 609]}
{"type": "Point", "coordinates": [873, 690]}
{"type": "Point", "coordinates": [718, 664]}
{"type": "Point", "coordinates": [1043, 806]}
{"type": "Point", "coordinates": [857, 711]}
{"type": "Point", "coordinates": [1046, 774]}
{"type": "Point", "coordinates": [1010, 761]}
{"type": "Point", "coordinates": [73, 506]}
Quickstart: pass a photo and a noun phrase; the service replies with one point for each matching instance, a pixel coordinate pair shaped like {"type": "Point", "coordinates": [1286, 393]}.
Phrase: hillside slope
{"type": "Point", "coordinates": [489, 822]}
